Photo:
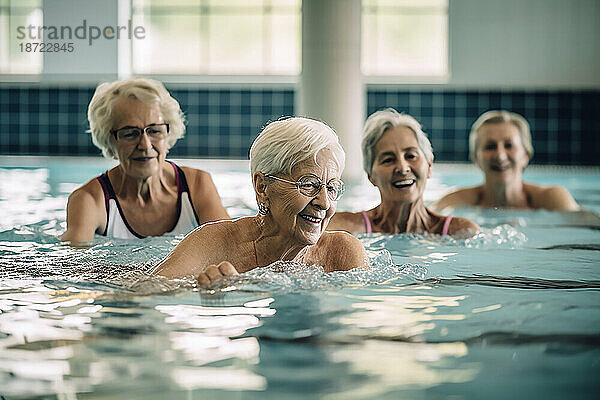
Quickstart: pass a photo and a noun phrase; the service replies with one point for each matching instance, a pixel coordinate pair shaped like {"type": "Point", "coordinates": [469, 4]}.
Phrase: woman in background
{"type": "Point", "coordinates": [296, 166]}
{"type": "Point", "coordinates": [136, 121]}
{"type": "Point", "coordinates": [398, 159]}
{"type": "Point", "coordinates": [500, 145]}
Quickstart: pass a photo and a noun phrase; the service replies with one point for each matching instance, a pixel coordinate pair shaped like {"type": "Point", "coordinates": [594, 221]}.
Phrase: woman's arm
{"type": "Point", "coordinates": [211, 245]}
{"type": "Point", "coordinates": [205, 196]}
{"type": "Point", "coordinates": [86, 214]}
{"type": "Point", "coordinates": [192, 255]}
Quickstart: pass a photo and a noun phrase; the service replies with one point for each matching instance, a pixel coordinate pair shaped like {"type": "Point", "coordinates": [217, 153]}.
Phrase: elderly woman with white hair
{"type": "Point", "coordinates": [296, 165]}
{"type": "Point", "coordinates": [398, 159]}
{"type": "Point", "coordinates": [500, 145]}
{"type": "Point", "coordinates": [136, 122]}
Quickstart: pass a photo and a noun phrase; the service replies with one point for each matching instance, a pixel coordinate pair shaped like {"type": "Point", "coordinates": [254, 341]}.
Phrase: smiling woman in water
{"type": "Point", "coordinates": [398, 159]}
{"type": "Point", "coordinates": [500, 145]}
{"type": "Point", "coordinates": [136, 121]}
{"type": "Point", "coordinates": [296, 165]}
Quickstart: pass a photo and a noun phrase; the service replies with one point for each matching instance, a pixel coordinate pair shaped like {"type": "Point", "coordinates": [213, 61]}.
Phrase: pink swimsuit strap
{"type": "Point", "coordinates": [367, 222]}
{"type": "Point", "coordinates": [446, 225]}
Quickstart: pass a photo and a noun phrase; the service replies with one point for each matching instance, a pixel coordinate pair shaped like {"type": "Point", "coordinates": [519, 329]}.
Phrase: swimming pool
{"type": "Point", "coordinates": [514, 312]}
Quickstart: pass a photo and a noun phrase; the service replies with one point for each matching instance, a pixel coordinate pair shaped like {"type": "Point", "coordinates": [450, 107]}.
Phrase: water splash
{"type": "Point", "coordinates": [125, 265]}
{"type": "Point", "coordinates": [502, 236]}
{"type": "Point", "coordinates": [290, 276]}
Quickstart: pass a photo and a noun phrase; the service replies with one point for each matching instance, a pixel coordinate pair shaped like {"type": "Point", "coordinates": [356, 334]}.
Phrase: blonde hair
{"type": "Point", "coordinates": [499, 117]}
{"type": "Point", "coordinates": [101, 110]}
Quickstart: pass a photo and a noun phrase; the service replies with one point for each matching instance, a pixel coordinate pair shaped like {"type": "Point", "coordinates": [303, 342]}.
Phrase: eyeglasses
{"type": "Point", "coordinates": [133, 133]}
{"type": "Point", "coordinates": [310, 186]}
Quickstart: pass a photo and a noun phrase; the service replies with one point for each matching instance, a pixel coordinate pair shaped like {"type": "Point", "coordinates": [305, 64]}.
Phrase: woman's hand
{"type": "Point", "coordinates": [215, 273]}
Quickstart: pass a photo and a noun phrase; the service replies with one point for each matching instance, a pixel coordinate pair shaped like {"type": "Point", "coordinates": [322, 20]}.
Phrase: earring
{"type": "Point", "coordinates": [263, 209]}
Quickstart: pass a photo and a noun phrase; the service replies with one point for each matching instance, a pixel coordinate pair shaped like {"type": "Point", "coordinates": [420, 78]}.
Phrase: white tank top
{"type": "Point", "coordinates": [118, 227]}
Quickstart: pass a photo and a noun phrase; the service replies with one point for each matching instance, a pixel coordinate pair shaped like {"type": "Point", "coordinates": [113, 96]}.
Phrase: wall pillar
{"type": "Point", "coordinates": [331, 87]}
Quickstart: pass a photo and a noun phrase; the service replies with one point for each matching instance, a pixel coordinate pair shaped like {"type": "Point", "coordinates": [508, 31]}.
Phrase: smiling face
{"type": "Point", "coordinates": [400, 170]}
{"type": "Point", "coordinates": [301, 217]}
{"type": "Point", "coordinates": [500, 152]}
{"type": "Point", "coordinates": [141, 158]}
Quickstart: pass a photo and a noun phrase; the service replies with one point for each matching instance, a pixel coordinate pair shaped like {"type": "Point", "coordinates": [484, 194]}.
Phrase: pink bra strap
{"type": "Point", "coordinates": [367, 221]}
{"type": "Point", "coordinates": [446, 225]}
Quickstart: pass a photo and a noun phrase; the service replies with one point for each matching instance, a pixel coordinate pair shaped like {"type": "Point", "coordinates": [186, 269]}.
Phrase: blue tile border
{"type": "Point", "coordinates": [564, 124]}
{"type": "Point", "coordinates": [222, 123]}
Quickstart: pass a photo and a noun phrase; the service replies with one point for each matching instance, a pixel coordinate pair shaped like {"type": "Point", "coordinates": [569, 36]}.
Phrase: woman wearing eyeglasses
{"type": "Point", "coordinates": [136, 121]}
{"type": "Point", "coordinates": [398, 159]}
{"type": "Point", "coordinates": [296, 164]}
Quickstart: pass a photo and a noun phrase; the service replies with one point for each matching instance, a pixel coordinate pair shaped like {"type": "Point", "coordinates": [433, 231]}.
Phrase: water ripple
{"type": "Point", "coordinates": [515, 282]}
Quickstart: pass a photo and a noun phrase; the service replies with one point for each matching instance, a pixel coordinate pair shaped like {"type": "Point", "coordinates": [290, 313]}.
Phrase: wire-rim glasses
{"type": "Point", "coordinates": [133, 133]}
{"type": "Point", "coordinates": [310, 186]}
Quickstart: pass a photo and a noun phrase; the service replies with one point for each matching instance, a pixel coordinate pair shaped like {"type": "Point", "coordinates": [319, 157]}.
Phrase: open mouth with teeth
{"type": "Point", "coordinates": [403, 184]}
{"type": "Point", "coordinates": [311, 219]}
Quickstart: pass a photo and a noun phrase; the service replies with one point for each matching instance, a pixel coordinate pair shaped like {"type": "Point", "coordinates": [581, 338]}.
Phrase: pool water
{"type": "Point", "coordinates": [512, 312]}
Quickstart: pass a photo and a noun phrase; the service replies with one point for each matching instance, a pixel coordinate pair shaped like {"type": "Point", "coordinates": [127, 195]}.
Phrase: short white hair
{"type": "Point", "coordinates": [499, 117]}
{"type": "Point", "coordinates": [379, 122]}
{"type": "Point", "coordinates": [284, 143]}
{"type": "Point", "coordinates": [101, 110]}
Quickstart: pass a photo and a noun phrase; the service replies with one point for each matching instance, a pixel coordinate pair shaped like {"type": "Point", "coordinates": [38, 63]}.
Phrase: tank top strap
{"type": "Point", "coordinates": [367, 222]}
{"type": "Point", "coordinates": [109, 193]}
{"type": "Point", "coordinates": [178, 178]}
{"type": "Point", "coordinates": [182, 187]}
{"type": "Point", "coordinates": [446, 225]}
{"type": "Point", "coordinates": [107, 188]}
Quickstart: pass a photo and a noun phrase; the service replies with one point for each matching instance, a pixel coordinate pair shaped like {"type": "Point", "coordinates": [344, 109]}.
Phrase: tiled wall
{"type": "Point", "coordinates": [565, 125]}
{"type": "Point", "coordinates": [220, 123]}
{"type": "Point", "coordinates": [223, 122]}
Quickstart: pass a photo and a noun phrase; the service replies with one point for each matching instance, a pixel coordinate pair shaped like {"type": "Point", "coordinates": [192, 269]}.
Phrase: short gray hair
{"type": "Point", "coordinates": [379, 122]}
{"type": "Point", "coordinates": [499, 117]}
{"type": "Point", "coordinates": [284, 143]}
{"type": "Point", "coordinates": [101, 110]}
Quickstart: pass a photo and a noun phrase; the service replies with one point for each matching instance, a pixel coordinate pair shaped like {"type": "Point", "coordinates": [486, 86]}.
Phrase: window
{"type": "Point", "coordinates": [399, 37]}
{"type": "Point", "coordinates": [15, 17]}
{"type": "Point", "coordinates": [405, 37]}
{"type": "Point", "coordinates": [259, 37]}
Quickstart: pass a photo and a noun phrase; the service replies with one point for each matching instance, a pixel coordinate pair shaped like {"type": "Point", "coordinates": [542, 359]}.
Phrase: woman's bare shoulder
{"type": "Point", "coordinates": [199, 181]}
{"type": "Point", "coordinates": [86, 214]}
{"type": "Point", "coordinates": [461, 197]}
{"type": "Point", "coordinates": [90, 192]}
{"type": "Point", "coordinates": [204, 195]}
{"type": "Point", "coordinates": [352, 222]}
{"type": "Point", "coordinates": [341, 251]}
{"type": "Point", "coordinates": [196, 176]}
{"type": "Point", "coordinates": [226, 230]}
{"type": "Point", "coordinates": [553, 198]}
{"type": "Point", "coordinates": [463, 227]}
